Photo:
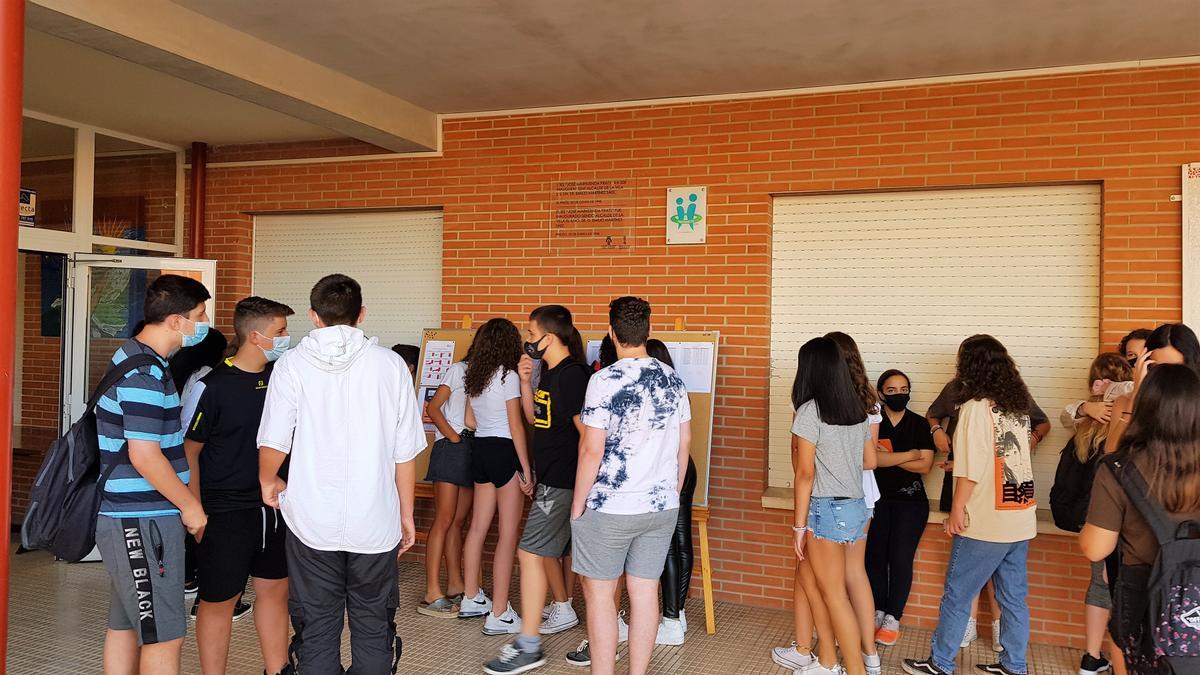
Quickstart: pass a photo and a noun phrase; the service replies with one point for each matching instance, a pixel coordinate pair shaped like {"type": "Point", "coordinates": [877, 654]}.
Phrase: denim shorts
{"type": "Point", "coordinates": [837, 519]}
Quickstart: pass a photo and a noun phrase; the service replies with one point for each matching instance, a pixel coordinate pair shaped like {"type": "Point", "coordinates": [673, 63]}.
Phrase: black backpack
{"type": "Point", "coordinates": [65, 497]}
{"type": "Point", "coordinates": [1072, 489]}
{"type": "Point", "coordinates": [1156, 609]}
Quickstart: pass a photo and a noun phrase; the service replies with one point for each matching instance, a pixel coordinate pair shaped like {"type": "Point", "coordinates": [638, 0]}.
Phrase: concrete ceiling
{"type": "Point", "coordinates": [81, 84]}
{"type": "Point", "coordinates": [473, 55]}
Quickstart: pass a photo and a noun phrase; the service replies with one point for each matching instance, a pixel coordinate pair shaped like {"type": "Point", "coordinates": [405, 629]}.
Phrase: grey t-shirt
{"type": "Point", "coordinates": [839, 452]}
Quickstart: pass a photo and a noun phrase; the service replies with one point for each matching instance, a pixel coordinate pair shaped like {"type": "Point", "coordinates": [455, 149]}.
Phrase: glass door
{"type": "Point", "coordinates": [106, 294]}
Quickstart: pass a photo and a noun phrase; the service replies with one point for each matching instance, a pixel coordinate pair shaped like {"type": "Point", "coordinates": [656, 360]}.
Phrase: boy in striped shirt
{"type": "Point", "coordinates": [146, 505]}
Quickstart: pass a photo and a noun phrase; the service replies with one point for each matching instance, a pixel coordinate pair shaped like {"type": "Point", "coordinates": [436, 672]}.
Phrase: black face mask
{"type": "Point", "coordinates": [531, 348]}
{"type": "Point", "coordinates": [1133, 362]}
{"type": "Point", "coordinates": [896, 402]}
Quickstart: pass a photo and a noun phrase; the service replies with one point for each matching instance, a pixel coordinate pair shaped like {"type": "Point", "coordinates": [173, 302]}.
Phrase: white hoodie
{"type": "Point", "coordinates": [345, 410]}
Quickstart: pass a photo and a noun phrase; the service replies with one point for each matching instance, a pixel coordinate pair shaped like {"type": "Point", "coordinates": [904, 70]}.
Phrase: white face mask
{"type": "Point", "coordinates": [279, 345]}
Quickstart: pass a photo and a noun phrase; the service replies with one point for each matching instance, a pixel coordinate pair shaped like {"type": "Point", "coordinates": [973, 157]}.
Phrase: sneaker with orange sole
{"type": "Point", "coordinates": [889, 631]}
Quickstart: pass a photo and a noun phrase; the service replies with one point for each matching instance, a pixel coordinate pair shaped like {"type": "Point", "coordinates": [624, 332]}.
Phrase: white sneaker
{"type": "Point", "coordinates": [879, 614]}
{"type": "Point", "coordinates": [815, 668]}
{"type": "Point", "coordinates": [670, 632]}
{"type": "Point", "coordinates": [547, 609]}
{"type": "Point", "coordinates": [562, 617]}
{"type": "Point", "coordinates": [683, 619]}
{"type": "Point", "coordinates": [873, 664]}
{"type": "Point", "coordinates": [622, 628]}
{"type": "Point", "coordinates": [508, 623]}
{"type": "Point", "coordinates": [970, 635]}
{"type": "Point", "coordinates": [790, 657]}
{"type": "Point", "coordinates": [479, 605]}
{"type": "Point", "coordinates": [996, 646]}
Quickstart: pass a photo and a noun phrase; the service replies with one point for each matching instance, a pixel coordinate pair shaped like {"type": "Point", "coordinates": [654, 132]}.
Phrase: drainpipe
{"type": "Point", "coordinates": [12, 56]}
{"type": "Point", "coordinates": [199, 179]}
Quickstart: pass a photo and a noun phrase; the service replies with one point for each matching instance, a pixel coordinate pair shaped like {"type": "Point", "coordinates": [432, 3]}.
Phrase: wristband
{"type": "Point", "coordinates": [797, 528]}
{"type": "Point", "coordinates": [936, 428]}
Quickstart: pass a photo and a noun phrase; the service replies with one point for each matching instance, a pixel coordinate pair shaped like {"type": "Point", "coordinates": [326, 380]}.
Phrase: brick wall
{"type": "Point", "coordinates": [1129, 129]}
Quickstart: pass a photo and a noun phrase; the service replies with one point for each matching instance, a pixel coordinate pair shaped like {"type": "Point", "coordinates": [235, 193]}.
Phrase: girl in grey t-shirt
{"type": "Point", "coordinates": [831, 446]}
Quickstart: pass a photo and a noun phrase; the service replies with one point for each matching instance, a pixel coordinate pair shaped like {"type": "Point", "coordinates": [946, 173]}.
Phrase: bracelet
{"type": "Point", "coordinates": [936, 428]}
{"type": "Point", "coordinates": [797, 528]}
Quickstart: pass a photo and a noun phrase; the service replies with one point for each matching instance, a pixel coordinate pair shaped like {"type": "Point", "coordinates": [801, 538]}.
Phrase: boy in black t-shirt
{"type": "Point", "coordinates": [244, 537]}
{"type": "Point", "coordinates": [553, 408]}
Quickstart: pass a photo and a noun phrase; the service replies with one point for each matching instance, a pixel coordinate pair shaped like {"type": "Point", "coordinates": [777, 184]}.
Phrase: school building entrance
{"type": "Point", "coordinates": [910, 174]}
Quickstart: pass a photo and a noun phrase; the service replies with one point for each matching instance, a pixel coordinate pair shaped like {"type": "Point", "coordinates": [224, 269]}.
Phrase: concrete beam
{"type": "Point", "coordinates": [174, 40]}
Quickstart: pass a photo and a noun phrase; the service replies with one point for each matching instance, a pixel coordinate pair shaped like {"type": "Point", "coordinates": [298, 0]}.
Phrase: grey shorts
{"type": "Point", "coordinates": [144, 559]}
{"type": "Point", "coordinates": [1098, 594]}
{"type": "Point", "coordinates": [606, 545]}
{"type": "Point", "coordinates": [451, 462]}
{"type": "Point", "coordinates": [548, 526]}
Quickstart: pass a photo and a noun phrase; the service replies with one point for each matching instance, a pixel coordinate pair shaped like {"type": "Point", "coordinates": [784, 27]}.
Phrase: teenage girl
{"type": "Point", "coordinates": [453, 492]}
{"type": "Point", "coordinates": [500, 469]}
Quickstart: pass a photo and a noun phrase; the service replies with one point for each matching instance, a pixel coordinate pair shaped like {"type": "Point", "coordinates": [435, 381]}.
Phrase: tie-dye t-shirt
{"type": "Point", "coordinates": [640, 403]}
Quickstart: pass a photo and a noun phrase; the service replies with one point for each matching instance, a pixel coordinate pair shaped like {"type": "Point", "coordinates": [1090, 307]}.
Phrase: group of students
{"type": "Point", "coordinates": [608, 471]}
{"type": "Point", "coordinates": [294, 468]}
{"type": "Point", "coordinates": [855, 540]}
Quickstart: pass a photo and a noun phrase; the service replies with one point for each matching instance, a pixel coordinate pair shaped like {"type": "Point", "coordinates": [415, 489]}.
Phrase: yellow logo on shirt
{"type": "Point", "coordinates": [541, 409]}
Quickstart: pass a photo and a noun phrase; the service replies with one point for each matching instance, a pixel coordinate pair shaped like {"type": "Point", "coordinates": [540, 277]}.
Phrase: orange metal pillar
{"type": "Point", "coordinates": [12, 56]}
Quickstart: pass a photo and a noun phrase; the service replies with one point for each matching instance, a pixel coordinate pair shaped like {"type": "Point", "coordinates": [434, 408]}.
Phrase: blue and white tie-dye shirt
{"type": "Point", "coordinates": [641, 404]}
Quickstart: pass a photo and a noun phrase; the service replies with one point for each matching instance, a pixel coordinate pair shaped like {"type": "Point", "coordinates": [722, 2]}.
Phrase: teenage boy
{"type": "Point", "coordinates": [245, 537]}
{"type": "Point", "coordinates": [634, 452]}
{"type": "Point", "coordinates": [146, 506]}
{"type": "Point", "coordinates": [344, 410]}
{"type": "Point", "coordinates": [411, 354]}
{"type": "Point", "coordinates": [553, 410]}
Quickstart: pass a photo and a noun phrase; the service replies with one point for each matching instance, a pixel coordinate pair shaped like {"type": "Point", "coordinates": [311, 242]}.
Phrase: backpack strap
{"type": "Point", "coordinates": [1138, 491]}
{"type": "Point", "coordinates": [117, 373]}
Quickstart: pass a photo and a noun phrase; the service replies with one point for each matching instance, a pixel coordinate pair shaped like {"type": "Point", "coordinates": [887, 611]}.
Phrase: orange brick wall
{"type": "Point", "coordinates": [1128, 129]}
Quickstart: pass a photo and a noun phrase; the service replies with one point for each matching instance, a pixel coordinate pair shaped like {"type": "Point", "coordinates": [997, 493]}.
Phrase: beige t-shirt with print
{"type": "Point", "coordinates": [992, 449]}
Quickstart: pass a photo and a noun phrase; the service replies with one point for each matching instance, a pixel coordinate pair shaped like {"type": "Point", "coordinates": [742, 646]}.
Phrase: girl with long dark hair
{"type": "Point", "coordinates": [1161, 451]}
{"type": "Point", "coordinates": [1169, 343]}
{"type": "Point", "coordinates": [832, 446]}
{"type": "Point", "coordinates": [500, 469]}
{"type": "Point", "coordinates": [858, 584]}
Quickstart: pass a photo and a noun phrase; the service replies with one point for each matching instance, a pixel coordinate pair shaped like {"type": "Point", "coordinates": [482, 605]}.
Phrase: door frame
{"type": "Point", "coordinates": [76, 314]}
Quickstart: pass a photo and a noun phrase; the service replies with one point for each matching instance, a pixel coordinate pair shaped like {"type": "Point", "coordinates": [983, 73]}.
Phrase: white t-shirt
{"type": "Point", "coordinates": [344, 409]}
{"type": "Point", "coordinates": [491, 407]}
{"type": "Point", "coordinates": [455, 407]}
{"type": "Point", "coordinates": [640, 403]}
{"type": "Point", "coordinates": [870, 485]}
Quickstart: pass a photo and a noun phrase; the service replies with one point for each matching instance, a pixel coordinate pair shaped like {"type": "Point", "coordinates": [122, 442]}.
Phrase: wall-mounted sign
{"type": "Point", "coordinates": [687, 214]}
{"type": "Point", "coordinates": [27, 207]}
{"type": "Point", "coordinates": [598, 213]}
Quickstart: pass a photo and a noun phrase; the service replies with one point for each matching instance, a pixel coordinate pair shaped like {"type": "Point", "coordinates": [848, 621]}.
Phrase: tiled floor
{"type": "Point", "coordinates": [58, 613]}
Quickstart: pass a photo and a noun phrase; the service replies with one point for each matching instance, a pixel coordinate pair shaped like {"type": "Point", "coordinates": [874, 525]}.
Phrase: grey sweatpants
{"type": "Point", "coordinates": [326, 586]}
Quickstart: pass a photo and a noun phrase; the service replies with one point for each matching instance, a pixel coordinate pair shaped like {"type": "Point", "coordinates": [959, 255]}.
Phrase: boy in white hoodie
{"type": "Point", "coordinates": [344, 409]}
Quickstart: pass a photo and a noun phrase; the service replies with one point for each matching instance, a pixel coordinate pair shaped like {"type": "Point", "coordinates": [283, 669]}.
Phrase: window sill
{"type": "Point", "coordinates": [781, 499]}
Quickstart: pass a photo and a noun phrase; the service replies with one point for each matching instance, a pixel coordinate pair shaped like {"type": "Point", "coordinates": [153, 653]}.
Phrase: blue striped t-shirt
{"type": "Point", "coordinates": [144, 406]}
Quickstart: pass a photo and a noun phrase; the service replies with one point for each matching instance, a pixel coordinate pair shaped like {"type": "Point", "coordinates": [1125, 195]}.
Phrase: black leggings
{"type": "Point", "coordinates": [891, 546]}
{"type": "Point", "coordinates": [677, 574]}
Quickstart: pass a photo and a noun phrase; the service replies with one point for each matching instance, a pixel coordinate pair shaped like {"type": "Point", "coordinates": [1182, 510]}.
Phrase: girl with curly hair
{"type": "Point", "coordinates": [993, 515]}
{"type": "Point", "coordinates": [500, 469]}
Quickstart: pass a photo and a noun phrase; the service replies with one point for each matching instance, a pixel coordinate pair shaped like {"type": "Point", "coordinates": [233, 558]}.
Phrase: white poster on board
{"type": "Point", "coordinates": [687, 215]}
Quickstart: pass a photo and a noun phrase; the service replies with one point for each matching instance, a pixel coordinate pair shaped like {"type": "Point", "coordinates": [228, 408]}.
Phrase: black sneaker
{"type": "Point", "coordinates": [191, 588]}
{"type": "Point", "coordinates": [921, 667]}
{"type": "Point", "coordinates": [582, 656]}
{"type": "Point", "coordinates": [994, 669]}
{"type": "Point", "coordinates": [195, 605]}
{"type": "Point", "coordinates": [241, 610]}
{"type": "Point", "coordinates": [1090, 665]}
{"type": "Point", "coordinates": [513, 660]}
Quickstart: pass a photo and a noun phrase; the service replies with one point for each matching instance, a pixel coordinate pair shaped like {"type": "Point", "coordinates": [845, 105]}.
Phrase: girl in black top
{"type": "Point", "coordinates": [905, 456]}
